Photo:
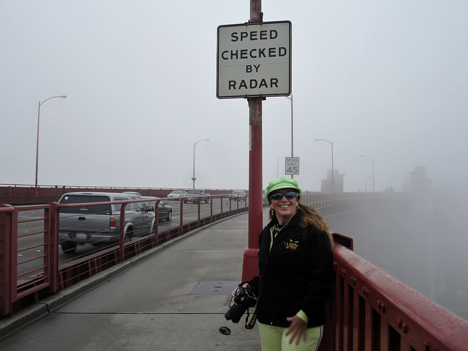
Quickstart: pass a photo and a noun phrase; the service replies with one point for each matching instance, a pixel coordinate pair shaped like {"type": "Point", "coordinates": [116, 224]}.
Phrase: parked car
{"type": "Point", "coordinates": [101, 223]}
{"type": "Point", "coordinates": [165, 210]}
{"type": "Point", "coordinates": [177, 193]}
{"type": "Point", "coordinates": [238, 195]}
{"type": "Point", "coordinates": [197, 196]}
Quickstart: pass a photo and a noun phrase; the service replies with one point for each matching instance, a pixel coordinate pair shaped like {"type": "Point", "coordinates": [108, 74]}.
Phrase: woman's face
{"type": "Point", "coordinates": [285, 208]}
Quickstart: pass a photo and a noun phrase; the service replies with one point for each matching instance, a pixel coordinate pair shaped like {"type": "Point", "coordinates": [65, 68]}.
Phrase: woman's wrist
{"type": "Point", "coordinates": [302, 315]}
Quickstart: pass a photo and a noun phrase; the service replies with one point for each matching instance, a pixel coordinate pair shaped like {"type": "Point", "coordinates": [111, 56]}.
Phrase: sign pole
{"type": "Point", "coordinates": [250, 266]}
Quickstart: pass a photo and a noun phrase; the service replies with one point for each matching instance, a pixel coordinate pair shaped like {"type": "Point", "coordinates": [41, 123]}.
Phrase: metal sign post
{"type": "Point", "coordinates": [253, 62]}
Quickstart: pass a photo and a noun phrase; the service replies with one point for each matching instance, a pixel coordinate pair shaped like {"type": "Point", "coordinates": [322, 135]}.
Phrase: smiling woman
{"type": "Point", "coordinates": [294, 286]}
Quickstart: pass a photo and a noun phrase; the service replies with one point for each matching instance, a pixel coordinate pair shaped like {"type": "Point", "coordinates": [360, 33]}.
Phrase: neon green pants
{"type": "Point", "coordinates": [273, 339]}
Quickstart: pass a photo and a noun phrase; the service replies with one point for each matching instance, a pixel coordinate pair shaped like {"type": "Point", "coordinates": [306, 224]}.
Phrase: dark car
{"type": "Point", "coordinates": [238, 195]}
{"type": "Point", "coordinates": [165, 210]}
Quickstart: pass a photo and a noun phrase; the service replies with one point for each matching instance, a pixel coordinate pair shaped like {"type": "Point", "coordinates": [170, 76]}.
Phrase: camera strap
{"type": "Point", "coordinates": [253, 320]}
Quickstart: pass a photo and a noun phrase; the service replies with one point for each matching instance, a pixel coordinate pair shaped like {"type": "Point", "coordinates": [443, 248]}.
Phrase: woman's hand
{"type": "Point", "coordinates": [297, 329]}
{"type": "Point", "coordinates": [245, 286]}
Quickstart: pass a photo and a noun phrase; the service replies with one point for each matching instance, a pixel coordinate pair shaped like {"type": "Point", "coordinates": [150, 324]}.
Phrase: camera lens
{"type": "Point", "coordinates": [235, 313]}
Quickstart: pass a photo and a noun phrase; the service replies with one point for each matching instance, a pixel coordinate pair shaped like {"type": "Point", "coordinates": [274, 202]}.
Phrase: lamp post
{"type": "Point", "coordinates": [277, 167]}
{"type": "Point", "coordinates": [195, 144]}
{"type": "Point", "coordinates": [37, 142]}
{"type": "Point", "coordinates": [290, 98]}
{"type": "Point", "coordinates": [373, 182]}
{"type": "Point", "coordinates": [332, 180]}
{"type": "Point", "coordinates": [366, 183]}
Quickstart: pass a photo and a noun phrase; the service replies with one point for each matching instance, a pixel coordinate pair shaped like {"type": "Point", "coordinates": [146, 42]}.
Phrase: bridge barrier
{"type": "Point", "coordinates": [28, 194]}
{"type": "Point", "coordinates": [24, 281]}
{"type": "Point", "coordinates": [371, 310]}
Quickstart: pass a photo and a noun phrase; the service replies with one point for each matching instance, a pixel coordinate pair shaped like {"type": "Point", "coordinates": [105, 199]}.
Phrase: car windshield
{"type": "Point", "coordinates": [77, 199]}
{"type": "Point", "coordinates": [194, 191]}
{"type": "Point", "coordinates": [178, 192]}
{"type": "Point", "coordinates": [236, 192]}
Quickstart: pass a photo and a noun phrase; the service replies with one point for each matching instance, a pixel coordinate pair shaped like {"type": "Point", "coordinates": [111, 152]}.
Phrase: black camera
{"type": "Point", "coordinates": [243, 299]}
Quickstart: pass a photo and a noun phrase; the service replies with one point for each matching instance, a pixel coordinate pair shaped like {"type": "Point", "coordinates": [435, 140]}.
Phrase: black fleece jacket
{"type": "Point", "coordinates": [297, 274]}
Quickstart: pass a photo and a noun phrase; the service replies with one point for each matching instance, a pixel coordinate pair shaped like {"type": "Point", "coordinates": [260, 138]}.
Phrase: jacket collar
{"type": "Point", "coordinates": [295, 221]}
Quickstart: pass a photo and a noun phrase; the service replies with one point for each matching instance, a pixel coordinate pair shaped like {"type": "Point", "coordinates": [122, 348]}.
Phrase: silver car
{"type": "Point", "coordinates": [164, 209]}
{"type": "Point", "coordinates": [100, 224]}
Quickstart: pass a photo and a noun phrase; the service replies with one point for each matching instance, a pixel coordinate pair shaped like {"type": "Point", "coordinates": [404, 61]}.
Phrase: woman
{"type": "Point", "coordinates": [296, 274]}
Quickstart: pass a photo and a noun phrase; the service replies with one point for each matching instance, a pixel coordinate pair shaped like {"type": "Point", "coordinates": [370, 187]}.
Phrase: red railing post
{"type": "Point", "coordinates": [156, 220]}
{"type": "Point", "coordinates": [122, 232]}
{"type": "Point", "coordinates": [181, 221]}
{"type": "Point", "coordinates": [5, 258]}
{"type": "Point", "coordinates": [210, 199]}
{"type": "Point", "coordinates": [53, 247]}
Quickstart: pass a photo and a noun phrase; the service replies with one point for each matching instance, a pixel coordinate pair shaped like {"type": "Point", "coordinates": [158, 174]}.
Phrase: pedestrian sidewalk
{"type": "Point", "coordinates": [174, 299]}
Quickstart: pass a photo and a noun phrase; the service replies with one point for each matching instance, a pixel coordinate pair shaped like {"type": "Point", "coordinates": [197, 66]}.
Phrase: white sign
{"type": "Point", "coordinates": [254, 60]}
{"type": "Point", "coordinates": [292, 165]}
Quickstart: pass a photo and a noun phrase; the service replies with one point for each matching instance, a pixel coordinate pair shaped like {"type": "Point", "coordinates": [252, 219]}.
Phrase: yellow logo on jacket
{"type": "Point", "coordinates": [291, 244]}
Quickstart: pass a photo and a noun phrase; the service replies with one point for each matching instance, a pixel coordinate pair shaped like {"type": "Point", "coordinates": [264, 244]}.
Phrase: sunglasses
{"type": "Point", "coordinates": [279, 196]}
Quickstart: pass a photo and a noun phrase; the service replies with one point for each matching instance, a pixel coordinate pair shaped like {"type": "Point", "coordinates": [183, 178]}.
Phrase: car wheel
{"type": "Point", "coordinates": [128, 236]}
{"type": "Point", "coordinates": [68, 247]}
{"type": "Point", "coordinates": [169, 216]}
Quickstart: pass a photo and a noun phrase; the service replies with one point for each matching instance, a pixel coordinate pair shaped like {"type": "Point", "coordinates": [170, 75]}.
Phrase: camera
{"type": "Point", "coordinates": [243, 299]}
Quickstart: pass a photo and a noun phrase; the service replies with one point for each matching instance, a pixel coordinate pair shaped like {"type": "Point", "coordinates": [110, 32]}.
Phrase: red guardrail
{"type": "Point", "coordinates": [23, 193]}
{"type": "Point", "coordinates": [27, 280]}
{"type": "Point", "coordinates": [371, 310]}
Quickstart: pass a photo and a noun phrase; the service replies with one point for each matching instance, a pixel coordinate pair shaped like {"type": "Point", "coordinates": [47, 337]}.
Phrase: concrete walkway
{"type": "Point", "coordinates": [173, 299]}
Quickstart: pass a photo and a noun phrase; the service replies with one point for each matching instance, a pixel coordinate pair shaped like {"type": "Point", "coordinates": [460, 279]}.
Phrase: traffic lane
{"type": "Point", "coordinates": [32, 257]}
{"type": "Point", "coordinates": [30, 243]}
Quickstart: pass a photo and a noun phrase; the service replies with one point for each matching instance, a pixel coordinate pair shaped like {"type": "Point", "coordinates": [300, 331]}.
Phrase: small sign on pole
{"type": "Point", "coordinates": [292, 165]}
{"type": "Point", "coordinates": [254, 60]}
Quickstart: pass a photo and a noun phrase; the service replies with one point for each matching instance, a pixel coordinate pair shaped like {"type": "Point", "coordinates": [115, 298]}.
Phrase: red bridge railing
{"type": "Point", "coordinates": [372, 311]}
{"type": "Point", "coordinates": [41, 274]}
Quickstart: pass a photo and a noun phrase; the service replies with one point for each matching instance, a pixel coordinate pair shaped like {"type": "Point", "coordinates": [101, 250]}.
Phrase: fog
{"type": "Point", "coordinates": [422, 241]}
{"type": "Point", "coordinates": [382, 79]}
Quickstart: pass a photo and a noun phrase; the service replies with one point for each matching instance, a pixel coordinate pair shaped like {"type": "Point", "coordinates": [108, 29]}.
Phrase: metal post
{"type": "Point", "coordinates": [195, 144]}
{"type": "Point", "coordinates": [37, 147]}
{"type": "Point", "coordinates": [7, 236]}
{"type": "Point", "coordinates": [292, 128]}
{"type": "Point", "coordinates": [373, 179]}
{"type": "Point", "coordinates": [250, 267]}
{"type": "Point", "coordinates": [37, 142]}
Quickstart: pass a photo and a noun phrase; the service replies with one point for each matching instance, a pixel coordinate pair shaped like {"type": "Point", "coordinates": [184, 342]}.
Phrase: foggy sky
{"type": "Point", "coordinates": [377, 78]}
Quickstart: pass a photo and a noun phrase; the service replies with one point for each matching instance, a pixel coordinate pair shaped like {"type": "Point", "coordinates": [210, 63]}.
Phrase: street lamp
{"type": "Point", "coordinates": [373, 182]}
{"type": "Point", "coordinates": [366, 183]}
{"type": "Point", "coordinates": [277, 167]}
{"type": "Point", "coordinates": [195, 144]}
{"type": "Point", "coordinates": [290, 98]}
{"type": "Point", "coordinates": [332, 180]}
{"type": "Point", "coordinates": [37, 144]}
